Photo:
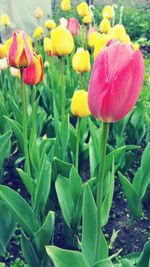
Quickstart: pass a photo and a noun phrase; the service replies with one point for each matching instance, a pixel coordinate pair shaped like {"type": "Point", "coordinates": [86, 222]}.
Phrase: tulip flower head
{"type": "Point", "coordinates": [82, 9]}
{"type": "Point", "coordinates": [63, 22]}
{"type": "Point", "coordinates": [90, 30]}
{"type": "Point", "coordinates": [20, 55]}
{"type": "Point", "coordinates": [50, 24]}
{"type": "Point", "coordinates": [115, 82]}
{"type": "Point", "coordinates": [119, 32]}
{"type": "Point", "coordinates": [108, 12]}
{"type": "Point", "coordinates": [104, 25]}
{"type": "Point", "coordinates": [73, 26]}
{"type": "Point", "coordinates": [38, 32]}
{"type": "Point", "coordinates": [35, 72]}
{"type": "Point", "coordinates": [81, 61]}
{"type": "Point", "coordinates": [48, 48]}
{"type": "Point", "coordinates": [2, 51]}
{"type": "Point", "coordinates": [5, 20]}
{"type": "Point", "coordinates": [65, 5]}
{"type": "Point", "coordinates": [100, 42]}
{"type": "Point", "coordinates": [79, 104]}
{"type": "Point", "coordinates": [92, 38]}
{"type": "Point", "coordinates": [38, 13]}
{"type": "Point", "coordinates": [87, 19]}
{"type": "Point", "coordinates": [62, 41]}
{"type": "Point", "coordinates": [3, 64]}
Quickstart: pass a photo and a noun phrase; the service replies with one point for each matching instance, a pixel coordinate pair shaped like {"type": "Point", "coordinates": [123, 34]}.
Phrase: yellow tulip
{"type": "Point", "coordinates": [2, 51]}
{"type": "Point", "coordinates": [5, 20]}
{"type": "Point", "coordinates": [79, 104]}
{"type": "Point", "coordinates": [104, 25]}
{"type": "Point", "coordinates": [100, 43]}
{"type": "Point", "coordinates": [38, 32]}
{"type": "Point", "coordinates": [62, 41]}
{"type": "Point", "coordinates": [92, 38]}
{"type": "Point", "coordinates": [48, 48]}
{"type": "Point", "coordinates": [65, 5]}
{"type": "Point", "coordinates": [108, 12]}
{"type": "Point", "coordinates": [82, 9]}
{"type": "Point", "coordinates": [38, 13]}
{"type": "Point", "coordinates": [119, 32]}
{"type": "Point", "coordinates": [50, 24]}
{"type": "Point", "coordinates": [81, 61]}
{"type": "Point", "coordinates": [87, 19]}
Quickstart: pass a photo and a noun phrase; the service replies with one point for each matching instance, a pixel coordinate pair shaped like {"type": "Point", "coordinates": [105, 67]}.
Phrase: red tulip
{"type": "Point", "coordinates": [34, 74]}
{"type": "Point", "coordinates": [115, 82]}
{"type": "Point", "coordinates": [20, 54]}
{"type": "Point", "coordinates": [73, 26]}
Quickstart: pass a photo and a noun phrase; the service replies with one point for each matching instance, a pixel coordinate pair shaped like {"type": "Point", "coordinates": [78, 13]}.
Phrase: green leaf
{"type": "Point", "coordinates": [126, 263]}
{"type": "Point", "coordinates": [107, 202]}
{"type": "Point", "coordinates": [145, 256]}
{"type": "Point", "coordinates": [133, 200]}
{"type": "Point", "coordinates": [43, 236]}
{"type": "Point", "coordinates": [103, 263]}
{"type": "Point", "coordinates": [145, 170]}
{"type": "Point", "coordinates": [21, 210]}
{"type": "Point", "coordinates": [75, 184]}
{"type": "Point", "coordinates": [26, 180]}
{"type": "Point", "coordinates": [5, 148]}
{"type": "Point", "coordinates": [29, 252]}
{"type": "Point", "coordinates": [65, 199]}
{"type": "Point", "coordinates": [65, 258]}
{"type": "Point", "coordinates": [60, 167]}
{"type": "Point", "coordinates": [88, 227]}
{"type": "Point", "coordinates": [7, 227]}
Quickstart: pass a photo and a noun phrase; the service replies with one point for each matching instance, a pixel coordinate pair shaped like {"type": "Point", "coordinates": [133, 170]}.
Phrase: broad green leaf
{"type": "Point", "coordinates": [29, 252]}
{"type": "Point", "coordinates": [107, 202]}
{"type": "Point", "coordinates": [137, 181]}
{"type": "Point", "coordinates": [145, 170]}
{"type": "Point", "coordinates": [7, 227]}
{"type": "Point", "coordinates": [133, 200]}
{"type": "Point", "coordinates": [75, 184]}
{"type": "Point", "coordinates": [65, 199]}
{"type": "Point", "coordinates": [26, 180]}
{"type": "Point", "coordinates": [145, 256]}
{"type": "Point", "coordinates": [60, 167]}
{"type": "Point", "coordinates": [88, 227]}
{"type": "Point", "coordinates": [5, 148]}
{"type": "Point", "coordinates": [103, 263]}
{"type": "Point", "coordinates": [43, 236]}
{"type": "Point", "coordinates": [20, 209]}
{"type": "Point", "coordinates": [65, 258]}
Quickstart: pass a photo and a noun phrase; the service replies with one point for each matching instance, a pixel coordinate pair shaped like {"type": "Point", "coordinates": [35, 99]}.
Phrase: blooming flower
{"type": "Point", "coordinates": [81, 61]}
{"type": "Point", "coordinates": [79, 104]}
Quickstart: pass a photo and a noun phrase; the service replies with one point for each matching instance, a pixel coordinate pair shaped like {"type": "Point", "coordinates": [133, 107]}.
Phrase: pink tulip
{"type": "Point", "coordinates": [20, 55]}
{"type": "Point", "coordinates": [115, 82]}
{"type": "Point", "coordinates": [90, 30]}
{"type": "Point", "coordinates": [73, 26]}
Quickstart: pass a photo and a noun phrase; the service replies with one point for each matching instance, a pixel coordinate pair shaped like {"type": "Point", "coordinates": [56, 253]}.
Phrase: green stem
{"type": "Point", "coordinates": [77, 143]}
{"type": "Point", "coordinates": [33, 109]}
{"type": "Point", "coordinates": [62, 92]}
{"type": "Point", "coordinates": [24, 127]}
{"type": "Point", "coordinates": [82, 81]}
{"type": "Point", "coordinates": [100, 182]}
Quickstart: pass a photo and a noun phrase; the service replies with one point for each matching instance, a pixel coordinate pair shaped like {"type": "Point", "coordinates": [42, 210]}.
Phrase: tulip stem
{"type": "Point", "coordinates": [82, 81]}
{"type": "Point", "coordinates": [24, 128]}
{"type": "Point", "coordinates": [62, 92]}
{"type": "Point", "coordinates": [78, 127]}
{"type": "Point", "coordinates": [33, 109]}
{"type": "Point", "coordinates": [100, 182]}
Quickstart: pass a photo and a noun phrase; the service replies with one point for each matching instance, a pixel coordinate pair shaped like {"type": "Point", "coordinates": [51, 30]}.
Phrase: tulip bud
{"type": "Point", "coordinates": [90, 30]}
{"type": "Point", "coordinates": [15, 72]}
{"type": "Point", "coordinates": [65, 5]}
{"type": "Point", "coordinates": [48, 48]}
{"type": "Point", "coordinates": [87, 19]}
{"type": "Point", "coordinates": [81, 61]}
{"type": "Point", "coordinates": [35, 72]}
{"type": "Point", "coordinates": [63, 22]}
{"type": "Point", "coordinates": [100, 43]}
{"type": "Point", "coordinates": [38, 13]}
{"type": "Point", "coordinates": [108, 12]}
{"type": "Point", "coordinates": [79, 104]}
{"type": "Point", "coordinates": [5, 20]}
{"type": "Point", "coordinates": [38, 32]}
{"type": "Point", "coordinates": [50, 24]}
{"type": "Point", "coordinates": [73, 26]}
{"type": "Point", "coordinates": [82, 9]}
{"type": "Point", "coordinates": [2, 51]}
{"type": "Point", "coordinates": [92, 38]}
{"type": "Point", "coordinates": [3, 64]}
{"type": "Point", "coordinates": [119, 32]}
{"type": "Point", "coordinates": [62, 41]}
{"type": "Point", "coordinates": [115, 82]}
{"type": "Point", "coordinates": [104, 25]}
{"type": "Point", "coordinates": [20, 55]}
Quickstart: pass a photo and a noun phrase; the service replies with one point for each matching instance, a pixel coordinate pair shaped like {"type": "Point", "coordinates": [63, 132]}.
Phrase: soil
{"type": "Point", "coordinates": [129, 239]}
